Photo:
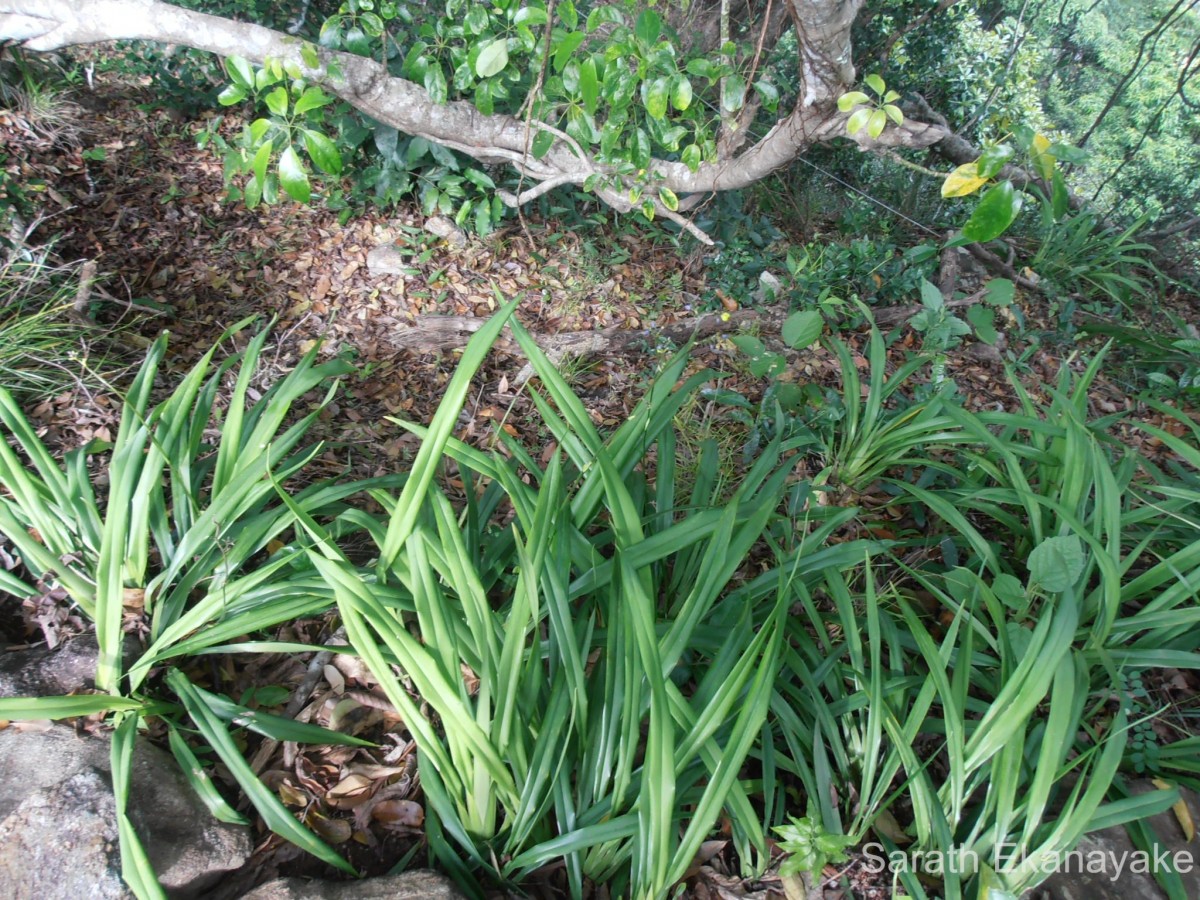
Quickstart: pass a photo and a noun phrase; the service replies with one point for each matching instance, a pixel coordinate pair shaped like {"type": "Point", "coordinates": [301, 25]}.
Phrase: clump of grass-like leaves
{"type": "Point", "coordinates": [174, 532]}
{"type": "Point", "coordinates": [42, 349]}
{"type": "Point", "coordinates": [596, 669]}
{"type": "Point", "coordinates": [623, 677]}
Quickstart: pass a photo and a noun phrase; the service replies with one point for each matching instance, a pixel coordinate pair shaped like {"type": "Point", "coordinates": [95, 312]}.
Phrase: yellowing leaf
{"type": "Point", "coordinates": [1182, 813]}
{"type": "Point", "coordinates": [1043, 161]}
{"type": "Point", "coordinates": [963, 181]}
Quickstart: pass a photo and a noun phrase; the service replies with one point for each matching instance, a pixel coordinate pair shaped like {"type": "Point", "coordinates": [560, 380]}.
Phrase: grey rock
{"type": "Point", "coordinates": [769, 288]}
{"type": "Point", "coordinates": [386, 259]}
{"type": "Point", "coordinates": [446, 230]}
{"type": "Point", "coordinates": [54, 783]}
{"type": "Point", "coordinates": [419, 884]}
{"type": "Point", "coordinates": [41, 672]}
{"type": "Point", "coordinates": [61, 842]}
{"type": "Point", "coordinates": [1105, 864]}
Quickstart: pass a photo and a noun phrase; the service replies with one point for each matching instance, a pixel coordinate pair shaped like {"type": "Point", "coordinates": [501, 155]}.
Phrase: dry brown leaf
{"type": "Point", "coordinates": [351, 791]}
{"type": "Point", "coordinates": [399, 813]}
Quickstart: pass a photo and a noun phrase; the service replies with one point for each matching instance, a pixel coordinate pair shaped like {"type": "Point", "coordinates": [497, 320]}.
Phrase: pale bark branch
{"type": "Point", "coordinates": [826, 70]}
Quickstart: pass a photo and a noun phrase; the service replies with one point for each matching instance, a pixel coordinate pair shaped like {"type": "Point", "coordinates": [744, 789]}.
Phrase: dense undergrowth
{"type": "Point", "coordinates": [599, 669]}
{"type": "Point", "coordinates": [893, 620]}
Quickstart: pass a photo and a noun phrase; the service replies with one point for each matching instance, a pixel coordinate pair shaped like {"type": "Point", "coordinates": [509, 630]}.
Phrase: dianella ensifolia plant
{"type": "Point", "coordinates": [619, 680]}
{"type": "Point", "coordinates": [186, 532]}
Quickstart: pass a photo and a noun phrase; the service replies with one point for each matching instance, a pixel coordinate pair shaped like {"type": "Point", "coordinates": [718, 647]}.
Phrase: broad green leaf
{"type": "Point", "coordinates": [475, 22]}
{"type": "Point", "coordinates": [312, 98]}
{"type": "Point", "coordinates": [1060, 196]}
{"type": "Point", "coordinates": [589, 85]}
{"type": "Point", "coordinates": [435, 83]}
{"type": "Point", "coordinates": [492, 59]}
{"type": "Point", "coordinates": [875, 83]}
{"type": "Point", "coordinates": [240, 71]}
{"type": "Point", "coordinates": [851, 99]}
{"type": "Point", "coordinates": [992, 159]}
{"type": "Point", "coordinates": [733, 93]}
{"type": "Point", "coordinates": [963, 181]}
{"type": "Point", "coordinates": [801, 329]}
{"type": "Point", "coordinates": [655, 95]}
{"type": "Point", "coordinates": [931, 297]}
{"type": "Point", "coordinates": [768, 93]}
{"type": "Point", "coordinates": [542, 142]}
{"type": "Point", "coordinates": [567, 45]}
{"type": "Point", "coordinates": [308, 53]}
{"type": "Point", "coordinates": [983, 318]}
{"type": "Point", "coordinates": [233, 93]}
{"type": "Point", "coordinates": [702, 68]}
{"type": "Point", "coordinates": [253, 192]}
{"type": "Point", "coordinates": [997, 210]}
{"type": "Point", "coordinates": [681, 92]}
{"type": "Point", "coordinates": [691, 157]}
{"type": "Point", "coordinates": [567, 13]}
{"type": "Point", "coordinates": [748, 344]}
{"type": "Point", "coordinates": [1068, 153]}
{"type": "Point", "coordinates": [530, 16]}
{"type": "Point", "coordinates": [292, 176]}
{"type": "Point", "coordinates": [877, 123]}
{"type": "Point", "coordinates": [668, 199]}
{"type": "Point", "coordinates": [262, 158]}
{"type": "Point", "coordinates": [1000, 292]}
{"type": "Point", "coordinates": [323, 152]}
{"type": "Point", "coordinates": [277, 101]}
{"type": "Point", "coordinates": [1057, 562]}
{"type": "Point", "coordinates": [648, 27]}
{"type": "Point", "coordinates": [858, 120]}
{"type": "Point", "coordinates": [893, 112]}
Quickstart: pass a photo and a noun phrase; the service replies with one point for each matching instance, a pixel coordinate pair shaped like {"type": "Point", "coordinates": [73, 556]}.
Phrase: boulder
{"type": "Point", "coordinates": [41, 672]}
{"type": "Point", "coordinates": [419, 884]}
{"type": "Point", "coordinates": [1106, 865]}
{"type": "Point", "coordinates": [56, 806]}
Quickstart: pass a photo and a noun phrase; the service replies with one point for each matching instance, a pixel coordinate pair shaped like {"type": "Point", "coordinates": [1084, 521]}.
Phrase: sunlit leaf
{"type": "Point", "coordinates": [876, 123]}
{"type": "Point", "coordinates": [858, 121]}
{"type": "Point", "coordinates": [655, 95]}
{"type": "Point", "coordinates": [292, 176]}
{"type": "Point", "coordinates": [733, 93]}
{"type": "Point", "coordinates": [492, 59]}
{"type": "Point", "coordinates": [851, 99]}
{"type": "Point", "coordinates": [963, 181]}
{"type": "Point", "coordinates": [277, 101]}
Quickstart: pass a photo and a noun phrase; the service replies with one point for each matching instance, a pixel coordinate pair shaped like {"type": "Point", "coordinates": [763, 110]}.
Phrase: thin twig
{"type": "Point", "coordinates": [316, 669]}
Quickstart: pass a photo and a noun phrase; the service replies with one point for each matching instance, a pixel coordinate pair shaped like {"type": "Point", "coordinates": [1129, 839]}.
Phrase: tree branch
{"type": "Point", "coordinates": [366, 84]}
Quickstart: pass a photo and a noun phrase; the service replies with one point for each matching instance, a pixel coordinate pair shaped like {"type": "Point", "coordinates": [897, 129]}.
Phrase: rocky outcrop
{"type": "Point", "coordinates": [58, 826]}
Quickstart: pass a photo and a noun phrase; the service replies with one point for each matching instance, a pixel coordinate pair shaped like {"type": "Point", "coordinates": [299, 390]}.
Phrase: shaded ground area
{"type": "Point", "coordinates": [151, 215]}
